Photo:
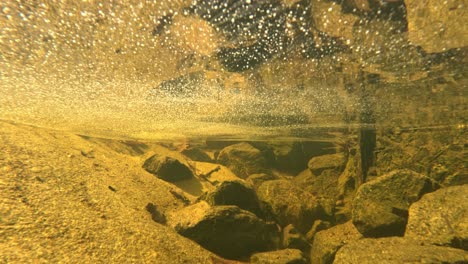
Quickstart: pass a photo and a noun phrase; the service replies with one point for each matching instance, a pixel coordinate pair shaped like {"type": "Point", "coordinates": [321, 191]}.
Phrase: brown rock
{"type": "Point", "coordinates": [380, 207]}
{"type": "Point", "coordinates": [318, 226]}
{"type": "Point", "coordinates": [290, 204]}
{"type": "Point", "coordinates": [328, 242]}
{"type": "Point", "coordinates": [197, 154]}
{"type": "Point", "coordinates": [256, 180]}
{"type": "Point", "coordinates": [243, 159]}
{"type": "Point", "coordinates": [397, 250]}
{"type": "Point", "coordinates": [332, 161]}
{"type": "Point", "coordinates": [441, 218]}
{"type": "Point", "coordinates": [234, 193]}
{"type": "Point", "coordinates": [225, 230]}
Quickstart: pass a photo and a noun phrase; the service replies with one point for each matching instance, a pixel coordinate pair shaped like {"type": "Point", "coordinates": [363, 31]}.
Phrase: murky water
{"type": "Point", "coordinates": [383, 83]}
{"type": "Point", "coordinates": [99, 68]}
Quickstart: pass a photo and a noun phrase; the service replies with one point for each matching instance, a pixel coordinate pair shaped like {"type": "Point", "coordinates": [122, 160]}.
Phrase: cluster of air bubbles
{"type": "Point", "coordinates": [172, 66]}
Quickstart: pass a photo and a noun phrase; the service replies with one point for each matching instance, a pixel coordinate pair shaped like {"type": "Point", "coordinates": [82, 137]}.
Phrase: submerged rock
{"type": "Point", "coordinates": [257, 179]}
{"type": "Point", "coordinates": [327, 242]}
{"type": "Point", "coordinates": [331, 161]}
{"type": "Point", "coordinates": [285, 256]}
{"type": "Point", "coordinates": [396, 250]}
{"type": "Point", "coordinates": [234, 193]}
{"type": "Point", "coordinates": [380, 207]}
{"type": "Point", "coordinates": [243, 159]}
{"type": "Point", "coordinates": [289, 157]}
{"type": "Point", "coordinates": [290, 204]}
{"type": "Point", "coordinates": [225, 230]}
{"type": "Point", "coordinates": [167, 168]}
{"type": "Point", "coordinates": [197, 154]}
{"type": "Point", "coordinates": [441, 218]}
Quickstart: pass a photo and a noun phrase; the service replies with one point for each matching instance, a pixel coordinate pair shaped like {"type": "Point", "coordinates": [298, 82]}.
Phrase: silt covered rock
{"type": "Point", "coordinates": [292, 238]}
{"type": "Point", "coordinates": [225, 230]}
{"type": "Point", "coordinates": [290, 204]}
{"type": "Point", "coordinates": [326, 162]}
{"type": "Point", "coordinates": [396, 250]}
{"type": "Point", "coordinates": [327, 242]}
{"type": "Point", "coordinates": [243, 159]}
{"type": "Point", "coordinates": [285, 256]}
{"type": "Point", "coordinates": [380, 207]}
{"type": "Point", "coordinates": [234, 193]}
{"type": "Point", "coordinates": [441, 218]}
{"type": "Point", "coordinates": [168, 168]}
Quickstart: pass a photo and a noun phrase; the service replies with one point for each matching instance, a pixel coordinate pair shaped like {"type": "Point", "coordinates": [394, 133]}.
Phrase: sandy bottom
{"type": "Point", "coordinates": [66, 198]}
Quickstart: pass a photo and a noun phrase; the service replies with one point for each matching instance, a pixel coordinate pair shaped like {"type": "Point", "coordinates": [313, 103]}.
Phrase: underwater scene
{"type": "Point", "coordinates": [234, 131]}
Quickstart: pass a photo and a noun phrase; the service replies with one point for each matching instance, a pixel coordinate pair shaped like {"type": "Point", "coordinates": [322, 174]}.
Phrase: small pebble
{"type": "Point", "coordinates": [6, 169]}
{"type": "Point", "coordinates": [36, 169]}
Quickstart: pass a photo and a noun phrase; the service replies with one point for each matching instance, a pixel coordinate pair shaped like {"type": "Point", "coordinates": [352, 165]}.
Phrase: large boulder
{"type": "Point", "coordinates": [225, 230]}
{"type": "Point", "coordinates": [234, 193]}
{"type": "Point", "coordinates": [197, 154]}
{"type": "Point", "coordinates": [335, 161]}
{"type": "Point", "coordinates": [396, 250]}
{"type": "Point", "coordinates": [327, 242]}
{"type": "Point", "coordinates": [243, 159]}
{"type": "Point", "coordinates": [168, 168]}
{"type": "Point", "coordinates": [285, 256]}
{"type": "Point", "coordinates": [437, 26]}
{"type": "Point", "coordinates": [441, 218]}
{"type": "Point", "coordinates": [290, 204]}
{"type": "Point", "coordinates": [380, 207]}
